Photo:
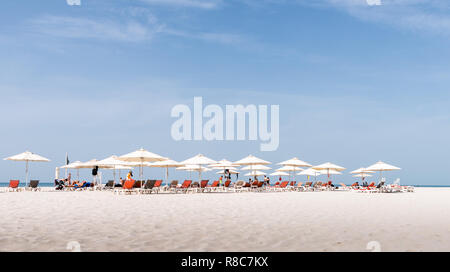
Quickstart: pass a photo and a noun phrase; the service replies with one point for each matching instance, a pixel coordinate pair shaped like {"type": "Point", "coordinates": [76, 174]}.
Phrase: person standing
{"type": "Point", "coordinates": [221, 181]}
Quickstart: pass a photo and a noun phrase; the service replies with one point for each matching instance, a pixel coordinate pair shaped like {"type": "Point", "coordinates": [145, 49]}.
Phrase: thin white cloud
{"type": "Point", "coordinates": [76, 28]}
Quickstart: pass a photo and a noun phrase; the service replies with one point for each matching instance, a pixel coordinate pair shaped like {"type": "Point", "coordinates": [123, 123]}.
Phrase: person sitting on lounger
{"type": "Point", "coordinates": [130, 175]}
{"type": "Point", "coordinates": [121, 181]}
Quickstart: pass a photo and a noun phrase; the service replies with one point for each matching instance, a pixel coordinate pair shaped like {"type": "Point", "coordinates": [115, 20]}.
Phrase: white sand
{"type": "Point", "coordinates": [321, 221]}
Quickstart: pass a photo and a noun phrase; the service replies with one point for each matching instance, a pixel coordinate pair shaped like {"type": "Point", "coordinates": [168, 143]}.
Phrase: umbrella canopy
{"type": "Point", "coordinates": [361, 171]}
{"type": "Point", "coordinates": [141, 156]}
{"type": "Point", "coordinates": [222, 172]}
{"type": "Point", "coordinates": [165, 164]}
{"type": "Point", "coordinates": [295, 162]}
{"type": "Point", "coordinates": [195, 168]}
{"type": "Point", "coordinates": [27, 157]}
{"type": "Point", "coordinates": [255, 174]}
{"type": "Point", "coordinates": [381, 167]}
{"type": "Point", "coordinates": [290, 169]}
{"type": "Point", "coordinates": [224, 164]}
{"type": "Point", "coordinates": [279, 173]}
{"type": "Point", "coordinates": [199, 160]}
{"type": "Point", "coordinates": [362, 175]}
{"type": "Point", "coordinates": [73, 165]}
{"type": "Point", "coordinates": [256, 168]}
{"type": "Point", "coordinates": [329, 166]}
{"type": "Point", "coordinates": [252, 160]}
{"type": "Point", "coordinates": [330, 172]}
{"type": "Point", "coordinates": [310, 172]}
{"type": "Point", "coordinates": [114, 161]}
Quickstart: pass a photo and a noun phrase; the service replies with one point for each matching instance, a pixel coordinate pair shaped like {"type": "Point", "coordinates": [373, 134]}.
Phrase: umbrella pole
{"type": "Point", "coordinates": [26, 174]}
{"type": "Point", "coordinates": [167, 175]}
{"type": "Point", "coordinates": [114, 171]}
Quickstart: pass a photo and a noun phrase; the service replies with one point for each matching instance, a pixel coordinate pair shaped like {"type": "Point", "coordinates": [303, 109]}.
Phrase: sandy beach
{"type": "Point", "coordinates": [297, 221]}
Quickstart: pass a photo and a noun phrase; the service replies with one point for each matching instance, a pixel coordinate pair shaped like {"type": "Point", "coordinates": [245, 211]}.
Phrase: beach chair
{"type": "Point", "coordinates": [238, 186]}
{"type": "Point", "coordinates": [308, 187]}
{"type": "Point", "coordinates": [173, 186]}
{"type": "Point", "coordinates": [128, 187]}
{"type": "Point", "coordinates": [109, 185]}
{"type": "Point", "coordinates": [214, 186]}
{"type": "Point", "coordinates": [148, 187]}
{"type": "Point", "coordinates": [254, 185]}
{"type": "Point", "coordinates": [344, 187]}
{"type": "Point", "coordinates": [260, 187]}
{"type": "Point", "coordinates": [13, 186]}
{"type": "Point", "coordinates": [138, 184]}
{"type": "Point", "coordinates": [33, 186]}
{"type": "Point", "coordinates": [292, 185]}
{"type": "Point", "coordinates": [184, 187]}
{"type": "Point", "coordinates": [283, 186]}
{"type": "Point", "coordinates": [299, 187]}
{"type": "Point", "coordinates": [203, 185]}
{"type": "Point", "coordinates": [227, 185]}
{"type": "Point", "coordinates": [157, 187]}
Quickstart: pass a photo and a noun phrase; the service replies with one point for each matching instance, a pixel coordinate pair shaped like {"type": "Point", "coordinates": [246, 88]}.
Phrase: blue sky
{"type": "Point", "coordinates": [355, 83]}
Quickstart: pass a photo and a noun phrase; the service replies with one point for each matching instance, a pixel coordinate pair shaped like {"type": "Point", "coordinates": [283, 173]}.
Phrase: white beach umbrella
{"type": "Point", "coordinates": [279, 174]}
{"type": "Point", "coordinates": [256, 168]}
{"type": "Point", "coordinates": [194, 168]}
{"type": "Point", "coordinates": [364, 175]}
{"type": "Point", "coordinates": [361, 171]}
{"type": "Point", "coordinates": [310, 173]}
{"type": "Point", "coordinates": [255, 174]}
{"type": "Point", "coordinates": [199, 160]}
{"type": "Point", "coordinates": [74, 165]}
{"type": "Point", "coordinates": [115, 163]}
{"type": "Point", "coordinates": [295, 162]}
{"type": "Point", "coordinates": [225, 165]}
{"type": "Point", "coordinates": [222, 172]}
{"type": "Point", "coordinates": [329, 167]}
{"type": "Point", "coordinates": [290, 169]}
{"type": "Point", "coordinates": [252, 161]}
{"type": "Point", "coordinates": [166, 164]}
{"type": "Point", "coordinates": [141, 157]}
{"type": "Point", "coordinates": [27, 157]}
{"type": "Point", "coordinates": [382, 167]}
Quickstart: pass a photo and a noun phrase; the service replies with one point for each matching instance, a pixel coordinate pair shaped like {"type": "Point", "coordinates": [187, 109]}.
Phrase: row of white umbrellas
{"type": "Point", "coordinates": [200, 163]}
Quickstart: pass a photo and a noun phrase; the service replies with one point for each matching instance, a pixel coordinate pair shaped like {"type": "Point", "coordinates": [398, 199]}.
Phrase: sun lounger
{"type": "Point", "coordinates": [157, 187]}
{"type": "Point", "coordinates": [128, 188]}
{"type": "Point", "coordinates": [184, 187]}
{"type": "Point", "coordinates": [299, 187]}
{"type": "Point", "coordinates": [227, 185]}
{"type": "Point", "coordinates": [13, 186]}
{"type": "Point", "coordinates": [214, 186]}
{"type": "Point", "coordinates": [283, 186]}
{"type": "Point", "coordinates": [109, 185]}
{"type": "Point", "coordinates": [239, 186]}
{"type": "Point", "coordinates": [203, 185]}
{"type": "Point", "coordinates": [33, 185]}
{"type": "Point", "coordinates": [173, 185]}
{"type": "Point", "coordinates": [148, 187]}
